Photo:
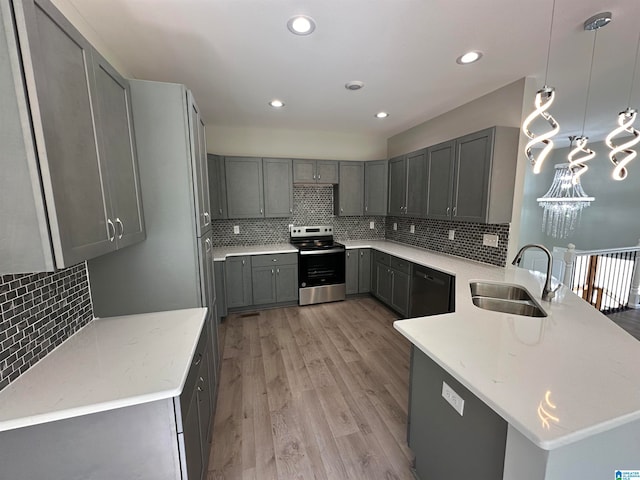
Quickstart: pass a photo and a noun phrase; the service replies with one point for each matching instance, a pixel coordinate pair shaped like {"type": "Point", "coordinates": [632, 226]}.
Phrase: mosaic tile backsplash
{"type": "Point", "coordinates": [467, 243]}
{"type": "Point", "coordinates": [312, 205]}
{"type": "Point", "coordinates": [37, 313]}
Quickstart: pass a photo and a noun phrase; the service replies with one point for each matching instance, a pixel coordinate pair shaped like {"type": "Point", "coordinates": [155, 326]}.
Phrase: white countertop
{"type": "Point", "coordinates": [220, 253]}
{"type": "Point", "coordinates": [109, 363]}
{"type": "Point", "coordinates": [590, 366]}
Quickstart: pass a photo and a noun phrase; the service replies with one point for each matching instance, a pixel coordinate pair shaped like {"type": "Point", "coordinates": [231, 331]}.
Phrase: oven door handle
{"type": "Point", "coordinates": [321, 252]}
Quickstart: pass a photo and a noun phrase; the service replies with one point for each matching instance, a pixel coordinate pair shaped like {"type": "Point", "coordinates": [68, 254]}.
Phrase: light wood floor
{"type": "Point", "coordinates": [629, 320]}
{"type": "Point", "coordinates": [314, 392]}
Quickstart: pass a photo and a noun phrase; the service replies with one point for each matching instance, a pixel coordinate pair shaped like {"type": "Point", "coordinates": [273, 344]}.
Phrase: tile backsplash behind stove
{"type": "Point", "coordinates": [312, 205]}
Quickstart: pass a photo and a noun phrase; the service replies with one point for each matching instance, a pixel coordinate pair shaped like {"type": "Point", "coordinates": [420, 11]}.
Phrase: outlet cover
{"type": "Point", "coordinates": [490, 240]}
{"type": "Point", "coordinates": [452, 398]}
{"type": "Point", "coordinates": [236, 229]}
{"type": "Point", "coordinates": [452, 234]}
{"type": "Point", "coordinates": [372, 225]}
{"type": "Point", "coordinates": [412, 229]}
{"type": "Point", "coordinates": [395, 226]}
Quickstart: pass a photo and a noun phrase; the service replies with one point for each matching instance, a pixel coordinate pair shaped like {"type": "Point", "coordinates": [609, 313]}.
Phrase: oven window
{"type": "Point", "coordinates": [322, 269]}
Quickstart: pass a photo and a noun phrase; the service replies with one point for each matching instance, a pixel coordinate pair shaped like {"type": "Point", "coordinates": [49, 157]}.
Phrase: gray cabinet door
{"type": "Point", "coordinates": [351, 189]}
{"type": "Point", "coordinates": [400, 292]}
{"type": "Point", "coordinates": [192, 445]}
{"type": "Point", "coordinates": [244, 187]}
{"type": "Point", "coordinates": [118, 152]}
{"type": "Point", "coordinates": [278, 187]}
{"type": "Point", "coordinates": [263, 281]}
{"type": "Point", "coordinates": [199, 166]}
{"type": "Point", "coordinates": [397, 185]}
{"type": "Point", "coordinates": [327, 171]}
{"type": "Point", "coordinates": [375, 187]}
{"type": "Point", "coordinates": [351, 271]}
{"type": "Point", "coordinates": [416, 193]}
{"type": "Point", "coordinates": [304, 171]}
{"type": "Point", "coordinates": [473, 168]}
{"type": "Point", "coordinates": [237, 271]}
{"type": "Point", "coordinates": [440, 171]}
{"type": "Point", "coordinates": [61, 89]}
{"type": "Point", "coordinates": [287, 283]}
{"type": "Point", "coordinates": [383, 286]}
{"type": "Point", "coordinates": [217, 187]}
{"type": "Point", "coordinates": [364, 270]}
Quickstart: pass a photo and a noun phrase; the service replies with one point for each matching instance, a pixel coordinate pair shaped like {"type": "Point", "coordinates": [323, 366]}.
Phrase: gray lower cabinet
{"type": "Point", "coordinates": [349, 194]}
{"type": "Point", "coordinates": [315, 171]}
{"type": "Point", "coordinates": [221, 294]}
{"type": "Point", "coordinates": [278, 187]}
{"type": "Point", "coordinates": [244, 184]}
{"type": "Point", "coordinates": [358, 271]}
{"type": "Point", "coordinates": [70, 190]}
{"type": "Point", "coordinates": [472, 178]}
{"type": "Point", "coordinates": [217, 187]}
{"type": "Point", "coordinates": [392, 281]}
{"type": "Point", "coordinates": [167, 439]}
{"type": "Point", "coordinates": [274, 278]}
{"type": "Point", "coordinates": [238, 284]}
{"type": "Point", "coordinates": [446, 444]}
{"type": "Point", "coordinates": [375, 187]}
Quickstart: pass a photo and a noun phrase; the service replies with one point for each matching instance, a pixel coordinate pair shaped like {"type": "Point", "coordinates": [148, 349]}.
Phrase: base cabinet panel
{"type": "Point", "coordinates": [446, 444]}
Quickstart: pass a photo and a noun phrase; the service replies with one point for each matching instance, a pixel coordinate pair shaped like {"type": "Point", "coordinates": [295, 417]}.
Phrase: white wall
{"type": "Point", "coordinates": [270, 142]}
{"type": "Point", "coordinates": [611, 221]}
{"type": "Point", "coordinates": [72, 14]}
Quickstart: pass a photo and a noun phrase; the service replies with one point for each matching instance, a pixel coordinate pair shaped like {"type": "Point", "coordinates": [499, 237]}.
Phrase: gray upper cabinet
{"type": "Point", "coordinates": [440, 168]}
{"type": "Point", "coordinates": [278, 187]}
{"type": "Point", "coordinates": [71, 195]}
{"type": "Point", "coordinates": [375, 187]}
{"type": "Point", "coordinates": [408, 184]}
{"type": "Point", "coordinates": [199, 166]}
{"type": "Point", "coordinates": [472, 178]}
{"type": "Point", "coordinates": [315, 171]}
{"type": "Point", "coordinates": [245, 195]}
{"type": "Point", "coordinates": [217, 187]}
{"type": "Point", "coordinates": [118, 152]}
{"type": "Point", "coordinates": [350, 190]}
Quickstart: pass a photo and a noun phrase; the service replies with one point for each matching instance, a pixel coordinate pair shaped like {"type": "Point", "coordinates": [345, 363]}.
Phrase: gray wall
{"type": "Point", "coordinates": [38, 312]}
{"type": "Point", "coordinates": [611, 221]}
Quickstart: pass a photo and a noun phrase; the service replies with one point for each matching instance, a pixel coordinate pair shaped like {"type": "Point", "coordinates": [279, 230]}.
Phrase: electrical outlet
{"type": "Point", "coordinates": [490, 240]}
{"type": "Point", "coordinates": [372, 225]}
{"type": "Point", "coordinates": [452, 398]}
{"type": "Point", "coordinates": [412, 229]}
{"type": "Point", "coordinates": [395, 226]}
{"type": "Point", "coordinates": [236, 229]}
{"type": "Point", "coordinates": [452, 234]}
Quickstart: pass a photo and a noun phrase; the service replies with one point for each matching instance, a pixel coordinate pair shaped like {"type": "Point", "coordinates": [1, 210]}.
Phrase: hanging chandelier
{"type": "Point", "coordinates": [621, 155]}
{"type": "Point", "coordinates": [543, 100]}
{"type": "Point", "coordinates": [563, 203]}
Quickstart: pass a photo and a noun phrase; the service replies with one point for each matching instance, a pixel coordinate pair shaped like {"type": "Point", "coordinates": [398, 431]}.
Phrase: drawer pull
{"type": "Point", "coordinates": [198, 360]}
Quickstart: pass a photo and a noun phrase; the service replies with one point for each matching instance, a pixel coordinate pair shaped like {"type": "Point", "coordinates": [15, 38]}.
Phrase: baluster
{"type": "Point", "coordinates": [569, 265]}
{"type": "Point", "coordinates": [634, 291]}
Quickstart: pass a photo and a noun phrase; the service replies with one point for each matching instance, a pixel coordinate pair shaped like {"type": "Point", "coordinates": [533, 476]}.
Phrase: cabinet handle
{"type": "Point", "coordinates": [198, 360]}
{"type": "Point", "coordinates": [200, 389]}
{"type": "Point", "coordinates": [274, 260]}
{"type": "Point", "coordinates": [448, 210]}
{"type": "Point", "coordinates": [348, 254]}
{"type": "Point", "coordinates": [242, 262]}
{"type": "Point", "coordinates": [362, 254]}
{"type": "Point", "coordinates": [207, 243]}
{"type": "Point", "coordinates": [110, 224]}
{"type": "Point", "coordinates": [318, 176]}
{"type": "Point", "coordinates": [278, 271]}
{"type": "Point", "coordinates": [314, 176]}
{"type": "Point", "coordinates": [455, 211]}
{"type": "Point", "coordinates": [261, 211]}
{"type": "Point", "coordinates": [291, 210]}
{"type": "Point", "coordinates": [119, 222]}
{"type": "Point", "coordinates": [341, 210]}
{"type": "Point", "coordinates": [206, 218]}
{"type": "Point", "coordinates": [272, 271]}
{"type": "Point", "coordinates": [220, 211]}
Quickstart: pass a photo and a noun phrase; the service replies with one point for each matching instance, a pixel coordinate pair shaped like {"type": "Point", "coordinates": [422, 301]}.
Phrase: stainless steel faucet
{"type": "Point", "coordinates": [547, 292]}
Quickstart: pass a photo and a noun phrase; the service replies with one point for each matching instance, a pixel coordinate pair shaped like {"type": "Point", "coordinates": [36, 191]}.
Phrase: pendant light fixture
{"type": "Point", "coordinates": [577, 164]}
{"type": "Point", "coordinates": [563, 203]}
{"type": "Point", "coordinates": [543, 100]}
{"type": "Point", "coordinates": [621, 155]}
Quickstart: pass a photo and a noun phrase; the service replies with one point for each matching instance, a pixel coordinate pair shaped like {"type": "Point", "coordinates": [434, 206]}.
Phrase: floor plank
{"type": "Point", "coordinates": [316, 392]}
{"type": "Point", "coordinates": [629, 320]}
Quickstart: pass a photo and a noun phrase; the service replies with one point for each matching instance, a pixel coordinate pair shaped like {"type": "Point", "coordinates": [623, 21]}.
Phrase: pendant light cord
{"type": "Point", "coordinates": [633, 77]}
{"type": "Point", "coordinates": [586, 104]}
{"type": "Point", "coordinates": [546, 72]}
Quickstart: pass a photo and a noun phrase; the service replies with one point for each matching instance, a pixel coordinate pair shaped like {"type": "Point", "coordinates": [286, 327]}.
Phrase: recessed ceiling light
{"type": "Point", "coordinates": [381, 115]}
{"type": "Point", "coordinates": [469, 57]}
{"type": "Point", "coordinates": [354, 85]}
{"type": "Point", "coordinates": [276, 103]}
{"type": "Point", "coordinates": [301, 25]}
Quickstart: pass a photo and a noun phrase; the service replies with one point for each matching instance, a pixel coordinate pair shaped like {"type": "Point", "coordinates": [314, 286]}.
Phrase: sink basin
{"type": "Point", "coordinates": [503, 291]}
{"type": "Point", "coordinates": [528, 309]}
{"type": "Point", "coordinates": [505, 298]}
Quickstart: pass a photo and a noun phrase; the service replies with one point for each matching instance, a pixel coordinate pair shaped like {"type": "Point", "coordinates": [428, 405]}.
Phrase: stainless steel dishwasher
{"type": "Point", "coordinates": [432, 292]}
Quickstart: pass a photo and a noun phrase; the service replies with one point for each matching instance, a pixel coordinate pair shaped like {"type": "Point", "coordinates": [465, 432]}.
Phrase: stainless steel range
{"type": "Point", "coordinates": [321, 264]}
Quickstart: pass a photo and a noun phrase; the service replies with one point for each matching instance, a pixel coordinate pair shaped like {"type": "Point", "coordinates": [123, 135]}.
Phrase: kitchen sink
{"type": "Point", "coordinates": [505, 298]}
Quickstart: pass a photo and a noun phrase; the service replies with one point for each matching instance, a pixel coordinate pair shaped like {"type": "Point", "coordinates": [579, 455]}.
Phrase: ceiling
{"type": "Point", "coordinates": [237, 55]}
